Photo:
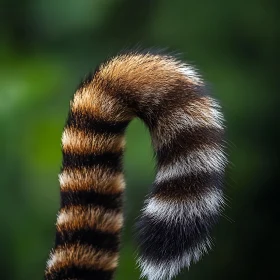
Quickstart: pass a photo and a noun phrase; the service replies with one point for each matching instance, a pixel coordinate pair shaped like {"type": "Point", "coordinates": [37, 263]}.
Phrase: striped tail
{"type": "Point", "coordinates": [186, 199]}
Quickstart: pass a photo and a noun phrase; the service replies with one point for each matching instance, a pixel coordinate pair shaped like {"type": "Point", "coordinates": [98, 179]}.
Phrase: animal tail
{"type": "Point", "coordinates": [186, 198]}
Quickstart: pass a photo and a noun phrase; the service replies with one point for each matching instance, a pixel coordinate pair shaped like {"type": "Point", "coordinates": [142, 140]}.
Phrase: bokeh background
{"type": "Point", "coordinates": [47, 47]}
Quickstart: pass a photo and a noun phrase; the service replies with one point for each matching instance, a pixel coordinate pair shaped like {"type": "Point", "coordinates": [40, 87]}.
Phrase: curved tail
{"type": "Point", "coordinates": [186, 199]}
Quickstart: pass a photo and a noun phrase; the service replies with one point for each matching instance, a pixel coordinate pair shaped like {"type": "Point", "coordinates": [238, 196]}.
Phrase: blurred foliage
{"type": "Point", "coordinates": [46, 49]}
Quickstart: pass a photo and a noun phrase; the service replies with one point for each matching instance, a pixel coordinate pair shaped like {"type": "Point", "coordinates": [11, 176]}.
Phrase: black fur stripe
{"type": "Point", "coordinates": [113, 161]}
{"type": "Point", "coordinates": [87, 122]}
{"type": "Point", "coordinates": [165, 241]}
{"type": "Point", "coordinates": [82, 273]}
{"type": "Point", "coordinates": [89, 236]}
{"type": "Point", "coordinates": [188, 185]}
{"type": "Point", "coordinates": [189, 140]}
{"type": "Point", "coordinates": [108, 201]}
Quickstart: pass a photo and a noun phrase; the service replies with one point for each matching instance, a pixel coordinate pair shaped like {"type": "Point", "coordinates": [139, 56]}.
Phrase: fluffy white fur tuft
{"type": "Point", "coordinates": [179, 211]}
{"type": "Point", "coordinates": [208, 159]}
{"type": "Point", "coordinates": [167, 270]}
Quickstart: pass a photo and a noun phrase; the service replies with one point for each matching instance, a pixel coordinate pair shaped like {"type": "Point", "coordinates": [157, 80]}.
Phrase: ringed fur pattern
{"type": "Point", "coordinates": [186, 199]}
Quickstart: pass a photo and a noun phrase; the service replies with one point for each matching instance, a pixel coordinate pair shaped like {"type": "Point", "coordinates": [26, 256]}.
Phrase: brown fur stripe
{"type": "Point", "coordinates": [187, 186]}
{"type": "Point", "coordinates": [79, 273]}
{"type": "Point", "coordinates": [83, 142]}
{"type": "Point", "coordinates": [110, 161]}
{"type": "Point", "coordinates": [96, 179]}
{"type": "Point", "coordinates": [87, 122]}
{"type": "Point", "coordinates": [187, 141]}
{"type": "Point", "coordinates": [89, 237]}
{"type": "Point", "coordinates": [108, 201]}
{"type": "Point", "coordinates": [79, 217]}
{"type": "Point", "coordinates": [81, 256]}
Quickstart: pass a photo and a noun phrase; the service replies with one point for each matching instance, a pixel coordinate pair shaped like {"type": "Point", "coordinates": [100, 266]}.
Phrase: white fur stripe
{"type": "Point", "coordinates": [209, 159]}
{"type": "Point", "coordinates": [169, 269]}
{"type": "Point", "coordinates": [175, 211]}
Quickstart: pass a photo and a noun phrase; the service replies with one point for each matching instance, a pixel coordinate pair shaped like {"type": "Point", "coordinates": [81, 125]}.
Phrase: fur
{"type": "Point", "coordinates": [186, 128]}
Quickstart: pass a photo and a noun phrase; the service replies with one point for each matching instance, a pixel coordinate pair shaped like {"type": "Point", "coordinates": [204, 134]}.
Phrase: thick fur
{"type": "Point", "coordinates": [186, 127]}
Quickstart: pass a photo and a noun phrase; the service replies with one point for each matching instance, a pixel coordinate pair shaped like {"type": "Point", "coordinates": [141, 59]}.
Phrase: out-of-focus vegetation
{"type": "Point", "coordinates": [46, 49]}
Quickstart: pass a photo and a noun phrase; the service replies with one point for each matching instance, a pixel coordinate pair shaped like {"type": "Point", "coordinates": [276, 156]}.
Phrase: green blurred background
{"type": "Point", "coordinates": [47, 47]}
